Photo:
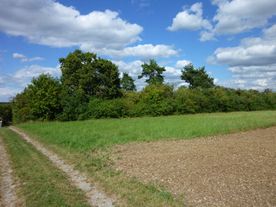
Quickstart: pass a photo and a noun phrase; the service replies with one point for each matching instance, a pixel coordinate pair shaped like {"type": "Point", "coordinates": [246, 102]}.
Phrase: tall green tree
{"type": "Point", "coordinates": [90, 75]}
{"type": "Point", "coordinates": [127, 83]}
{"type": "Point", "coordinates": [153, 72]}
{"type": "Point", "coordinates": [107, 79]}
{"type": "Point", "coordinates": [197, 77]}
{"type": "Point", "coordinates": [40, 100]}
{"type": "Point", "coordinates": [78, 72]}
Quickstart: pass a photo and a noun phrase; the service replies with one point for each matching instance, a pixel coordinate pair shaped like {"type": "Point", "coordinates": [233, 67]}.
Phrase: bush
{"type": "Point", "coordinates": [185, 101]}
{"type": "Point", "coordinates": [155, 100]}
{"type": "Point", "coordinates": [6, 113]}
{"type": "Point", "coordinates": [99, 108]}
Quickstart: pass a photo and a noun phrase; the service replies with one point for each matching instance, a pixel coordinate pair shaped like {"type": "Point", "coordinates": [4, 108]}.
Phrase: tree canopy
{"type": "Point", "coordinates": [127, 83]}
{"type": "Point", "coordinates": [153, 72]}
{"type": "Point", "coordinates": [90, 87]}
{"type": "Point", "coordinates": [90, 75]}
{"type": "Point", "coordinates": [39, 100]}
{"type": "Point", "coordinates": [197, 77]}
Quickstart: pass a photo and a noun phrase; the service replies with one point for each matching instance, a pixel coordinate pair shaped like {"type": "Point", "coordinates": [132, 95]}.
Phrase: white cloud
{"type": "Point", "coordinates": [18, 56]}
{"type": "Point", "coordinates": [207, 35]}
{"type": "Point", "coordinates": [25, 75]}
{"type": "Point", "coordinates": [53, 24]}
{"type": "Point", "coordinates": [146, 51]}
{"type": "Point", "coordinates": [251, 51]}
{"type": "Point", "coordinates": [6, 93]}
{"type": "Point", "coordinates": [132, 68]}
{"type": "Point", "coordinates": [190, 19]}
{"type": "Point", "coordinates": [23, 58]}
{"type": "Point", "coordinates": [237, 16]}
{"type": "Point", "coordinates": [253, 62]}
{"type": "Point", "coordinates": [12, 84]}
{"type": "Point", "coordinates": [171, 75]}
{"type": "Point", "coordinates": [182, 63]}
{"type": "Point", "coordinates": [103, 32]}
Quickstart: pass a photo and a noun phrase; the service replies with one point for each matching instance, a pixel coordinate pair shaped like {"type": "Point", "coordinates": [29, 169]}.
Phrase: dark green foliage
{"type": "Point", "coordinates": [21, 108]}
{"type": "Point", "coordinates": [127, 83]}
{"type": "Point", "coordinates": [219, 99]}
{"type": "Point", "coordinates": [74, 105]}
{"type": "Point", "coordinates": [85, 76]}
{"type": "Point", "coordinates": [89, 75]}
{"type": "Point", "coordinates": [107, 79]}
{"type": "Point", "coordinates": [39, 100]}
{"type": "Point", "coordinates": [155, 100]}
{"type": "Point", "coordinates": [5, 113]}
{"type": "Point", "coordinates": [78, 72]}
{"type": "Point", "coordinates": [185, 101]}
{"type": "Point", "coordinates": [91, 88]}
{"type": "Point", "coordinates": [153, 72]}
{"type": "Point", "coordinates": [99, 108]}
{"type": "Point", "coordinates": [196, 77]}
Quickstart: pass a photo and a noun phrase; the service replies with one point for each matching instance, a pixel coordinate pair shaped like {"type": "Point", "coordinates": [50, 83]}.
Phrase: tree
{"type": "Point", "coordinates": [39, 100]}
{"type": "Point", "coordinates": [21, 108]}
{"type": "Point", "coordinates": [197, 77]}
{"type": "Point", "coordinates": [153, 72]}
{"type": "Point", "coordinates": [127, 83]}
{"type": "Point", "coordinates": [78, 72]}
{"type": "Point", "coordinates": [107, 79]}
{"type": "Point", "coordinates": [90, 75]}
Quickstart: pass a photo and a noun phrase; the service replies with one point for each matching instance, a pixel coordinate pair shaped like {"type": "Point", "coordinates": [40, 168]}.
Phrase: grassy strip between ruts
{"type": "Point", "coordinates": [41, 183]}
{"type": "Point", "coordinates": [81, 143]}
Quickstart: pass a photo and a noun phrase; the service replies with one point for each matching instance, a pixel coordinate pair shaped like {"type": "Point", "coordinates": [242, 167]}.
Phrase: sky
{"type": "Point", "coordinates": [234, 39]}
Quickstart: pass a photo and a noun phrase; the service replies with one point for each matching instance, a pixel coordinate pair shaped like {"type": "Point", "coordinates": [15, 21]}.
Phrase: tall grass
{"type": "Point", "coordinates": [94, 134]}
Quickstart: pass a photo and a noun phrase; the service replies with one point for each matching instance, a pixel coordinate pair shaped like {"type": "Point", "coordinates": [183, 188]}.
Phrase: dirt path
{"type": "Point", "coordinates": [94, 196]}
{"type": "Point", "coordinates": [8, 197]}
{"type": "Point", "coordinates": [231, 170]}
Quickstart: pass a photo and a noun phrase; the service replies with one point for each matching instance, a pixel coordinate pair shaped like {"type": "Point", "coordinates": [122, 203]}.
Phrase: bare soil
{"type": "Point", "coordinates": [229, 170]}
{"type": "Point", "coordinates": [8, 197]}
{"type": "Point", "coordinates": [95, 197]}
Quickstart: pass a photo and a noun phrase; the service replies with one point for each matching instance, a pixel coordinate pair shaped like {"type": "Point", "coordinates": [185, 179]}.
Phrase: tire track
{"type": "Point", "coordinates": [94, 196]}
{"type": "Point", "coordinates": [7, 184]}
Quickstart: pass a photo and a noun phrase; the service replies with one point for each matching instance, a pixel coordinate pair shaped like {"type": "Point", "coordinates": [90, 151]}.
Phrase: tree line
{"type": "Point", "coordinates": [91, 87]}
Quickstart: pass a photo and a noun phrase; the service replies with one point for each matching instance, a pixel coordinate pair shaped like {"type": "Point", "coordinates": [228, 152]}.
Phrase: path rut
{"type": "Point", "coordinates": [8, 196]}
{"type": "Point", "coordinates": [94, 196]}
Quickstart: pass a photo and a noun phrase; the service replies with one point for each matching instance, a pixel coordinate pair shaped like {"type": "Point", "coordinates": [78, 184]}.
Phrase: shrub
{"type": "Point", "coordinates": [100, 108]}
{"type": "Point", "coordinates": [6, 113]}
{"type": "Point", "coordinates": [185, 101]}
{"type": "Point", "coordinates": [155, 100]}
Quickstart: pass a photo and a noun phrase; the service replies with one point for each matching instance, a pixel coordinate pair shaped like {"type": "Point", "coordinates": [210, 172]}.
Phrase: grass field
{"type": "Point", "coordinates": [94, 134]}
{"type": "Point", "coordinates": [86, 144]}
{"type": "Point", "coordinates": [41, 184]}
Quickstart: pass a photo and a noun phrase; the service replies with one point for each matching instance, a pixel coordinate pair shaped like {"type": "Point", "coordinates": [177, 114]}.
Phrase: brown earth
{"type": "Point", "coordinates": [230, 170]}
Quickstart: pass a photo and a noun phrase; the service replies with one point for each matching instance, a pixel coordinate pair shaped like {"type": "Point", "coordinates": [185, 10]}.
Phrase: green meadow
{"type": "Point", "coordinates": [94, 134]}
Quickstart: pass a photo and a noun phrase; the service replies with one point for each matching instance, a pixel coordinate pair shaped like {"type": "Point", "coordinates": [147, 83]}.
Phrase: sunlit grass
{"type": "Point", "coordinates": [40, 183]}
{"type": "Point", "coordinates": [87, 144]}
{"type": "Point", "coordinates": [93, 134]}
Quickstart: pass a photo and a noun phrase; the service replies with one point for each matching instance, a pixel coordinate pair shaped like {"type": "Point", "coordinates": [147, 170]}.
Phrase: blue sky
{"type": "Point", "coordinates": [235, 40]}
